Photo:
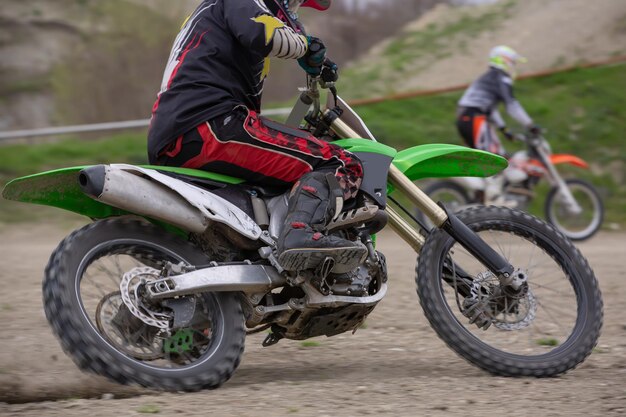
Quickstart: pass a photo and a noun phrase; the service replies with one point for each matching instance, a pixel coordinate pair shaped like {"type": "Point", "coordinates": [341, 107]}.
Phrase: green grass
{"type": "Point", "coordinates": [547, 341]}
{"type": "Point", "coordinates": [584, 111]}
{"type": "Point", "coordinates": [149, 409]}
{"type": "Point", "coordinates": [310, 343]}
{"type": "Point", "coordinates": [24, 159]}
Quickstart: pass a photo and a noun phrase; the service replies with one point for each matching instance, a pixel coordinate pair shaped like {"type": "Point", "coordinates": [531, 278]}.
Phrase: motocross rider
{"type": "Point", "coordinates": [207, 117]}
{"type": "Point", "coordinates": [478, 116]}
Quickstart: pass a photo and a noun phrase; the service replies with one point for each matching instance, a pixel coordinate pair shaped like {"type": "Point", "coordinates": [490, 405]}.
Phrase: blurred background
{"type": "Point", "coordinates": [65, 62]}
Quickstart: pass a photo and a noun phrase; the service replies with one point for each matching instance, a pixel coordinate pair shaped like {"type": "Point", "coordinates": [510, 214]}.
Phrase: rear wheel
{"type": "Point", "coordinates": [576, 226]}
{"type": "Point", "coordinates": [546, 327]}
{"type": "Point", "coordinates": [93, 300]}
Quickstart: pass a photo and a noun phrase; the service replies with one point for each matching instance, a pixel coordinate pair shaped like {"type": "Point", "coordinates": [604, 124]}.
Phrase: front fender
{"type": "Point", "coordinates": [442, 160]}
{"type": "Point", "coordinates": [557, 159]}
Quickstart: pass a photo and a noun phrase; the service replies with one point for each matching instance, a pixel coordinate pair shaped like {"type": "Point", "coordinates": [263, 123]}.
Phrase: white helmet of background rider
{"type": "Point", "coordinates": [294, 5]}
{"type": "Point", "coordinates": [506, 59]}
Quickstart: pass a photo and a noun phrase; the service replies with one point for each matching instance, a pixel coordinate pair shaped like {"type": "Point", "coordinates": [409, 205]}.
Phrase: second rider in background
{"type": "Point", "coordinates": [478, 116]}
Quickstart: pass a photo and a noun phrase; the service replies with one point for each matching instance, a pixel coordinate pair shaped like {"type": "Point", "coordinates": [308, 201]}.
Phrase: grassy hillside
{"type": "Point", "coordinates": [449, 45]}
{"type": "Point", "coordinates": [584, 111]}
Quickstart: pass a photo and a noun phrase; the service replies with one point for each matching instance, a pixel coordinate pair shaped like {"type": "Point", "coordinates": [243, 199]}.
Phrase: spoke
{"type": "Point", "coordinates": [120, 271]}
{"type": "Point", "coordinates": [530, 258]}
{"type": "Point", "coordinates": [190, 359]}
{"type": "Point", "coordinates": [103, 293]}
{"type": "Point", "coordinates": [535, 265]}
{"type": "Point", "coordinates": [502, 252]}
{"type": "Point", "coordinates": [558, 325]}
{"type": "Point", "coordinates": [563, 280]}
{"type": "Point", "coordinates": [545, 287]}
{"type": "Point", "coordinates": [462, 251]}
{"type": "Point", "coordinates": [559, 310]}
{"type": "Point", "coordinates": [102, 268]}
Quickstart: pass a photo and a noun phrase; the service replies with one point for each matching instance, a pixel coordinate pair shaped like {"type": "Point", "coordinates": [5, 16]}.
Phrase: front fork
{"type": "Point", "coordinates": [499, 266]}
{"type": "Point", "coordinates": [556, 181]}
{"type": "Point", "coordinates": [447, 221]}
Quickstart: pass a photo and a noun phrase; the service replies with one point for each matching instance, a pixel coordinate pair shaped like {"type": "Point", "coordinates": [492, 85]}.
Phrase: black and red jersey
{"type": "Point", "coordinates": [219, 61]}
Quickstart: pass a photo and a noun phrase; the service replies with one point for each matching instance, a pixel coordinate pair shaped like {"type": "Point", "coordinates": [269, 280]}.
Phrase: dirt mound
{"type": "Point", "coordinates": [449, 45]}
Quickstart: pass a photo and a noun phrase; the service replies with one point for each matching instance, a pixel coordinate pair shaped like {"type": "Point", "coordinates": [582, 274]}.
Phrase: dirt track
{"type": "Point", "coordinates": [395, 367]}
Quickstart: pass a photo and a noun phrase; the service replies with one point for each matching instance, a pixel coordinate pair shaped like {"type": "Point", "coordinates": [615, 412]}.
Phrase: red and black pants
{"type": "Point", "coordinates": [242, 144]}
{"type": "Point", "coordinates": [477, 131]}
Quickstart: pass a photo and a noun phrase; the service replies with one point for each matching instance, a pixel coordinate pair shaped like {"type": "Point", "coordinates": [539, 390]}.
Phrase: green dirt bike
{"type": "Point", "coordinates": [179, 265]}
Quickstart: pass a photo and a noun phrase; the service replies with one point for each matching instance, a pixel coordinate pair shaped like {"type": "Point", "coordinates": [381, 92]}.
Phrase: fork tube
{"type": "Point", "coordinates": [453, 226]}
{"type": "Point", "coordinates": [405, 230]}
{"type": "Point", "coordinates": [342, 129]}
{"type": "Point", "coordinates": [400, 181]}
{"type": "Point", "coordinates": [557, 181]}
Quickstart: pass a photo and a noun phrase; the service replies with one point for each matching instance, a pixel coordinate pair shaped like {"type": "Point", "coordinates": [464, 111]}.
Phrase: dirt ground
{"type": "Point", "coordinates": [396, 366]}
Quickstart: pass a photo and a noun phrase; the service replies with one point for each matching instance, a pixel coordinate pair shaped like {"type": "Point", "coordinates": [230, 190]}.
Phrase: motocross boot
{"type": "Point", "coordinates": [313, 202]}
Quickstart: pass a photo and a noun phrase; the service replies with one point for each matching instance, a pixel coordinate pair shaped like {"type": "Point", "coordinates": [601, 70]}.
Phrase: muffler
{"type": "Point", "coordinates": [137, 195]}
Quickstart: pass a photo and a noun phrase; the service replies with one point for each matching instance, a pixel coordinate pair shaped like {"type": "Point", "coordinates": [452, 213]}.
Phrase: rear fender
{"type": "Point", "coordinates": [58, 188]}
{"type": "Point", "coordinates": [557, 159]}
{"type": "Point", "coordinates": [443, 161]}
{"type": "Point", "coordinates": [61, 188]}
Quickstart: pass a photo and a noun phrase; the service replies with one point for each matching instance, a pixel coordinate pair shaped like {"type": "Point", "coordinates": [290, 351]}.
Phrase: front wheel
{"type": "Point", "coordinates": [546, 327]}
{"type": "Point", "coordinates": [93, 300]}
{"type": "Point", "coordinates": [576, 226]}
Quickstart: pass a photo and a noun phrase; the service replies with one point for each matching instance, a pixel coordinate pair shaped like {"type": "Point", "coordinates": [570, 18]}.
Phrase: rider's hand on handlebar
{"type": "Point", "coordinates": [330, 71]}
{"type": "Point", "coordinates": [535, 130]}
{"type": "Point", "coordinates": [314, 58]}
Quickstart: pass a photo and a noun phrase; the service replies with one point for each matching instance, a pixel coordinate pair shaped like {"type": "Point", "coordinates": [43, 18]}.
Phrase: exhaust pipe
{"type": "Point", "coordinates": [137, 195]}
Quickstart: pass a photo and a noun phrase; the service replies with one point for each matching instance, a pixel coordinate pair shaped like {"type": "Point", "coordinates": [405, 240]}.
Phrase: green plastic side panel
{"type": "Point", "coordinates": [441, 160]}
{"type": "Point", "coordinates": [59, 188]}
{"type": "Point", "coordinates": [365, 145]}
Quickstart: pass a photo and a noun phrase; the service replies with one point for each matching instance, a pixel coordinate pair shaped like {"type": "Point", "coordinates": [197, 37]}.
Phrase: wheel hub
{"type": "Point", "coordinates": [508, 307]}
{"type": "Point", "coordinates": [131, 288]}
{"type": "Point", "coordinates": [125, 331]}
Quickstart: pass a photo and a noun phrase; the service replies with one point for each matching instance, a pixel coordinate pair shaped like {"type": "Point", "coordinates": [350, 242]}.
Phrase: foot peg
{"type": "Point", "coordinates": [324, 268]}
{"type": "Point", "coordinates": [273, 338]}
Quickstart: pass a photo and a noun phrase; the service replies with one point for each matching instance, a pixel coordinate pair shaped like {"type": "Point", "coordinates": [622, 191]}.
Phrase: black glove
{"type": "Point", "coordinates": [313, 60]}
{"type": "Point", "coordinates": [535, 130]}
{"type": "Point", "coordinates": [330, 71]}
{"type": "Point", "coordinates": [507, 133]}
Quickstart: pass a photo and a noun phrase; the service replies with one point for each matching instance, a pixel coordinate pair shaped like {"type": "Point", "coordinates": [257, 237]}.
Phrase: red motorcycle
{"type": "Point", "coordinates": [573, 205]}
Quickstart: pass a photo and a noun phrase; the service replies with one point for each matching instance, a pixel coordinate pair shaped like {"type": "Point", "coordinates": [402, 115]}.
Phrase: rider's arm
{"type": "Point", "coordinates": [496, 119]}
{"type": "Point", "coordinates": [256, 28]}
{"type": "Point", "coordinates": [513, 107]}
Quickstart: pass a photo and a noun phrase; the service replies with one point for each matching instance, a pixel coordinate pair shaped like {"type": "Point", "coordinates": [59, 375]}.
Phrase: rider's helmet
{"type": "Point", "coordinates": [287, 10]}
{"type": "Point", "coordinates": [294, 5]}
{"type": "Point", "coordinates": [506, 59]}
